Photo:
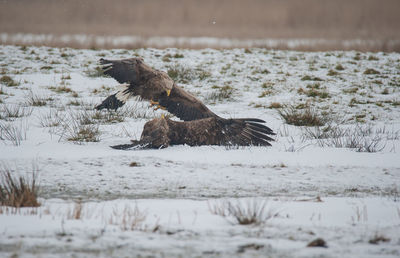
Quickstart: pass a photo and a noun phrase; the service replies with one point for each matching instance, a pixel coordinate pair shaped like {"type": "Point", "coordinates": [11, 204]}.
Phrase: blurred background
{"type": "Point", "coordinates": [283, 24]}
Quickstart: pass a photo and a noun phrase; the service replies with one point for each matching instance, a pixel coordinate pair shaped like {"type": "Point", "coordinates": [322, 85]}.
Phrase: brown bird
{"type": "Point", "coordinates": [163, 132]}
{"type": "Point", "coordinates": [139, 79]}
{"type": "Point", "coordinates": [202, 126]}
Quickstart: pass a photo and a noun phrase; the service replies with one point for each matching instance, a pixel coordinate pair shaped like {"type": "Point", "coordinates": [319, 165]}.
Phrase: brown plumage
{"type": "Point", "coordinates": [163, 132]}
{"type": "Point", "coordinates": [201, 126]}
{"type": "Point", "coordinates": [138, 79]}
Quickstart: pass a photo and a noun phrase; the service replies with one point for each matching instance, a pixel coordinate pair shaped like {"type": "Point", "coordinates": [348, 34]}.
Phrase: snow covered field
{"type": "Point", "coordinates": [338, 181]}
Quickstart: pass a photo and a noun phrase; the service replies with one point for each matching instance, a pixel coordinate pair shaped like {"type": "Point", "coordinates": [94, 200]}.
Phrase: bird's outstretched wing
{"type": "Point", "coordinates": [184, 105]}
{"type": "Point", "coordinates": [163, 132]}
{"type": "Point", "coordinates": [139, 79]}
{"type": "Point", "coordinates": [247, 131]}
{"type": "Point", "coordinates": [232, 132]}
{"type": "Point", "coordinates": [124, 71]}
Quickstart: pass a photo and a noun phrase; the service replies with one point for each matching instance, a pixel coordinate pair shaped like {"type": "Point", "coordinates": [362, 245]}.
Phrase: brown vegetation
{"type": "Point", "coordinates": [278, 19]}
{"type": "Point", "coordinates": [302, 117]}
{"type": "Point", "coordinates": [18, 192]}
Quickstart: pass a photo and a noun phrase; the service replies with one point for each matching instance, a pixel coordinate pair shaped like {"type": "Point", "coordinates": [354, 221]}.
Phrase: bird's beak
{"type": "Point", "coordinates": [168, 92]}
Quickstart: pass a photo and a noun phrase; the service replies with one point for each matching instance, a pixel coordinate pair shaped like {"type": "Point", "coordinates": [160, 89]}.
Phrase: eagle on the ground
{"type": "Point", "coordinates": [163, 132]}
{"type": "Point", "coordinates": [201, 126]}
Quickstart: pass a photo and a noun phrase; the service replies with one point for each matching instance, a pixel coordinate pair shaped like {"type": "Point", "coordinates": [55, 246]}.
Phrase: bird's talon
{"type": "Point", "coordinates": [152, 103]}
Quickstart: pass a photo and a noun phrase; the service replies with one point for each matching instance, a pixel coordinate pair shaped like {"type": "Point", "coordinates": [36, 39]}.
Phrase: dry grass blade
{"type": "Point", "coordinates": [77, 211]}
{"type": "Point", "coordinates": [18, 191]}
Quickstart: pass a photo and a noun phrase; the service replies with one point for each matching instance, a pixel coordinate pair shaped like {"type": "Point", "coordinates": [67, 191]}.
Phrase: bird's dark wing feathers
{"type": "Point", "coordinates": [132, 146]}
{"type": "Point", "coordinates": [246, 131]}
{"type": "Point", "coordinates": [120, 70]}
{"type": "Point", "coordinates": [185, 113]}
{"type": "Point", "coordinates": [184, 105]}
{"type": "Point", "coordinates": [111, 102]}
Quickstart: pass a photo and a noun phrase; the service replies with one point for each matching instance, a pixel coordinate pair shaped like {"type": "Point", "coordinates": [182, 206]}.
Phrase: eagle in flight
{"type": "Point", "coordinates": [200, 125]}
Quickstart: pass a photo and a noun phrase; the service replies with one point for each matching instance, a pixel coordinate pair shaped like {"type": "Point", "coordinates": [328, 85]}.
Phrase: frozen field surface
{"type": "Point", "coordinates": [338, 181]}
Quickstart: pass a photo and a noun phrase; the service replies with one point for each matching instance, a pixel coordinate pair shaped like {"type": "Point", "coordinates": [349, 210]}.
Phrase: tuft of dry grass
{"type": "Point", "coordinates": [52, 119]}
{"type": "Point", "coordinates": [265, 93]}
{"type": "Point", "coordinates": [129, 219]}
{"type": "Point", "coordinates": [302, 117]}
{"type": "Point", "coordinates": [18, 191]}
{"type": "Point", "coordinates": [134, 164]}
{"type": "Point", "coordinates": [61, 89]}
{"type": "Point", "coordinates": [83, 133]}
{"type": "Point", "coordinates": [249, 212]}
{"type": "Point", "coordinates": [275, 105]}
{"type": "Point", "coordinates": [339, 67]}
{"type": "Point", "coordinates": [181, 73]}
{"type": "Point", "coordinates": [76, 127]}
{"type": "Point", "coordinates": [310, 78]}
{"type": "Point", "coordinates": [319, 242]}
{"type": "Point", "coordinates": [10, 112]}
{"type": "Point", "coordinates": [13, 133]}
{"type": "Point", "coordinates": [221, 93]}
{"type": "Point", "coordinates": [378, 239]}
{"type": "Point", "coordinates": [371, 71]}
{"type": "Point", "coordinates": [36, 100]}
{"type": "Point", "coordinates": [314, 92]}
{"type": "Point", "coordinates": [8, 81]}
{"type": "Point", "coordinates": [332, 73]}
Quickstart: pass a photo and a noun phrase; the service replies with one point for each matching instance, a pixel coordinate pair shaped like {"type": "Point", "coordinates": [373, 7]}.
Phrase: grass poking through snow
{"type": "Point", "coordinates": [302, 117]}
{"type": "Point", "coordinates": [18, 191]}
{"type": "Point", "coordinates": [249, 212]}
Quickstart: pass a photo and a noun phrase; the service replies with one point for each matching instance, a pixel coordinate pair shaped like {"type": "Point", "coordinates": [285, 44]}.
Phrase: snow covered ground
{"type": "Point", "coordinates": [342, 186]}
